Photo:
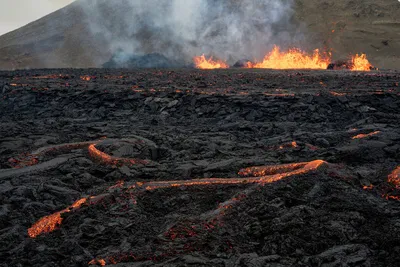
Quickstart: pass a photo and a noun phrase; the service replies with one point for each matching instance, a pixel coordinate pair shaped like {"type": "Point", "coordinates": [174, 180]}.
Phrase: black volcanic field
{"type": "Point", "coordinates": [186, 124]}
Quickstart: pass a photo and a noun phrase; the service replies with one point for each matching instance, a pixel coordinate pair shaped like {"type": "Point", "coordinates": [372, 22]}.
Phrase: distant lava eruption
{"type": "Point", "coordinates": [294, 58]}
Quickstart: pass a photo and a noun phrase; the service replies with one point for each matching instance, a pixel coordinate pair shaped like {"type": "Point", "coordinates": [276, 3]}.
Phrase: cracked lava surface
{"type": "Point", "coordinates": [304, 168]}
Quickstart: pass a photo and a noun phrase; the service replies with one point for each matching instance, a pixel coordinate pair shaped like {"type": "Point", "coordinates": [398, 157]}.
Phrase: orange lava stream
{"type": "Point", "coordinates": [292, 59]}
{"type": "Point", "coordinates": [361, 136]}
{"type": "Point", "coordinates": [394, 177]}
{"type": "Point", "coordinates": [202, 62]}
{"type": "Point", "coordinates": [360, 63]}
{"type": "Point", "coordinates": [49, 223]}
{"type": "Point", "coordinates": [110, 160]}
{"type": "Point", "coordinates": [267, 174]}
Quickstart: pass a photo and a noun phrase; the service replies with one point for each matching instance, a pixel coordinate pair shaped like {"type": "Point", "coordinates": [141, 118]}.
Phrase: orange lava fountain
{"type": "Point", "coordinates": [202, 62]}
{"type": "Point", "coordinates": [360, 63]}
{"type": "Point", "coordinates": [292, 59]}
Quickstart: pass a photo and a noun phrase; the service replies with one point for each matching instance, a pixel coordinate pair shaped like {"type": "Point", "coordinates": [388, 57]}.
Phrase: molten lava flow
{"type": "Point", "coordinates": [394, 177]}
{"type": "Point", "coordinates": [361, 136]}
{"type": "Point", "coordinates": [49, 223]}
{"type": "Point", "coordinates": [110, 160]}
{"type": "Point", "coordinates": [266, 174]}
{"type": "Point", "coordinates": [270, 170]}
{"type": "Point", "coordinates": [202, 62]}
{"type": "Point", "coordinates": [360, 63]}
{"type": "Point", "coordinates": [292, 59]}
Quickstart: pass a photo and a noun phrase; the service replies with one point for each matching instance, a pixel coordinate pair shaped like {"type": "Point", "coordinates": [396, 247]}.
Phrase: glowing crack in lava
{"type": "Point", "coordinates": [361, 136]}
{"type": "Point", "coordinates": [202, 62]}
{"type": "Point", "coordinates": [292, 59]}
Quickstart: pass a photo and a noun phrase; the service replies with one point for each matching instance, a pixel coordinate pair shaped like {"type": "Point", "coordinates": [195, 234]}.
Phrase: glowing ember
{"type": "Point", "coordinates": [368, 187]}
{"type": "Point", "coordinates": [100, 262]}
{"type": "Point", "coordinates": [87, 78]}
{"type": "Point", "coordinates": [394, 177]}
{"type": "Point", "coordinates": [292, 59]}
{"type": "Point", "coordinates": [202, 62]}
{"type": "Point", "coordinates": [360, 63]}
{"type": "Point", "coordinates": [361, 136]}
{"type": "Point", "coordinates": [49, 223]}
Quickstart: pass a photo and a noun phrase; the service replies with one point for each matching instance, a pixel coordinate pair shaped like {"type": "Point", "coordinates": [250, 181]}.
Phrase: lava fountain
{"type": "Point", "coordinates": [202, 62]}
{"type": "Point", "coordinates": [292, 59]}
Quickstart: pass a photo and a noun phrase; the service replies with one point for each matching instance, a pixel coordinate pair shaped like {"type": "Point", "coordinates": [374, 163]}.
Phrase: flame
{"type": "Point", "coordinates": [360, 136]}
{"type": "Point", "coordinates": [49, 223]}
{"type": "Point", "coordinates": [360, 63]}
{"type": "Point", "coordinates": [292, 59]}
{"type": "Point", "coordinates": [202, 62]}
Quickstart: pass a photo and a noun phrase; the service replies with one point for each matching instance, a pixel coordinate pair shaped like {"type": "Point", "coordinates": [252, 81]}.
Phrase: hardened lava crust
{"type": "Point", "coordinates": [172, 167]}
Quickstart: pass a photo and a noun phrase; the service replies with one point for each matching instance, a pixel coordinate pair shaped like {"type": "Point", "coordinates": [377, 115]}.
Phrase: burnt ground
{"type": "Point", "coordinates": [203, 124]}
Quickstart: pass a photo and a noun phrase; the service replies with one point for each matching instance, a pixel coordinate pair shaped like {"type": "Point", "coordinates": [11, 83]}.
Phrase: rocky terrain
{"type": "Point", "coordinates": [97, 150]}
{"type": "Point", "coordinates": [65, 39]}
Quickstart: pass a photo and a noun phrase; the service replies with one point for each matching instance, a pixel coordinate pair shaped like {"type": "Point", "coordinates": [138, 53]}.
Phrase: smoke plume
{"type": "Point", "coordinates": [181, 29]}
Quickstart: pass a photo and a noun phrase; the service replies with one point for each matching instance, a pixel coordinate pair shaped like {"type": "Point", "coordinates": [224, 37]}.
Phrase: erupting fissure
{"type": "Point", "coordinates": [294, 58]}
{"type": "Point", "coordinates": [202, 62]}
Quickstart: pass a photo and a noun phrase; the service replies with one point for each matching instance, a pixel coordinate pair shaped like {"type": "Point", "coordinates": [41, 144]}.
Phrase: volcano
{"type": "Point", "coordinates": [168, 155]}
{"type": "Point", "coordinates": [73, 37]}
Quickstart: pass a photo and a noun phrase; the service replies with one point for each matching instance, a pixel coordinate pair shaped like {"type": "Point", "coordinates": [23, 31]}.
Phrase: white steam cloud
{"type": "Point", "coordinates": [181, 29]}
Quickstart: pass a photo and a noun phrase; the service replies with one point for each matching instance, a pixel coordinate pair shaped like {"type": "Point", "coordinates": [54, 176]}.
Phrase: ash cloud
{"type": "Point", "coordinates": [182, 29]}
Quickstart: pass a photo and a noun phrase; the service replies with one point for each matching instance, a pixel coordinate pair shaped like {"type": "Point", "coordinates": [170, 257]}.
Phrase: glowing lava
{"type": "Point", "coordinates": [49, 223]}
{"type": "Point", "coordinates": [202, 62]}
{"type": "Point", "coordinates": [361, 136]}
{"type": "Point", "coordinates": [394, 177]}
{"type": "Point", "coordinates": [267, 174]}
{"type": "Point", "coordinates": [292, 59]}
{"type": "Point", "coordinates": [110, 160]}
{"type": "Point", "coordinates": [360, 63]}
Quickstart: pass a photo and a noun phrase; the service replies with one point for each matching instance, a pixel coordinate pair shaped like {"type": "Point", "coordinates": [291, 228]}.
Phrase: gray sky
{"type": "Point", "coordinates": [17, 13]}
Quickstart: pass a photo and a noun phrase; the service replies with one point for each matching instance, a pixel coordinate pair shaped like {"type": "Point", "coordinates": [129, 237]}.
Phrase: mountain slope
{"type": "Point", "coordinates": [65, 38]}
